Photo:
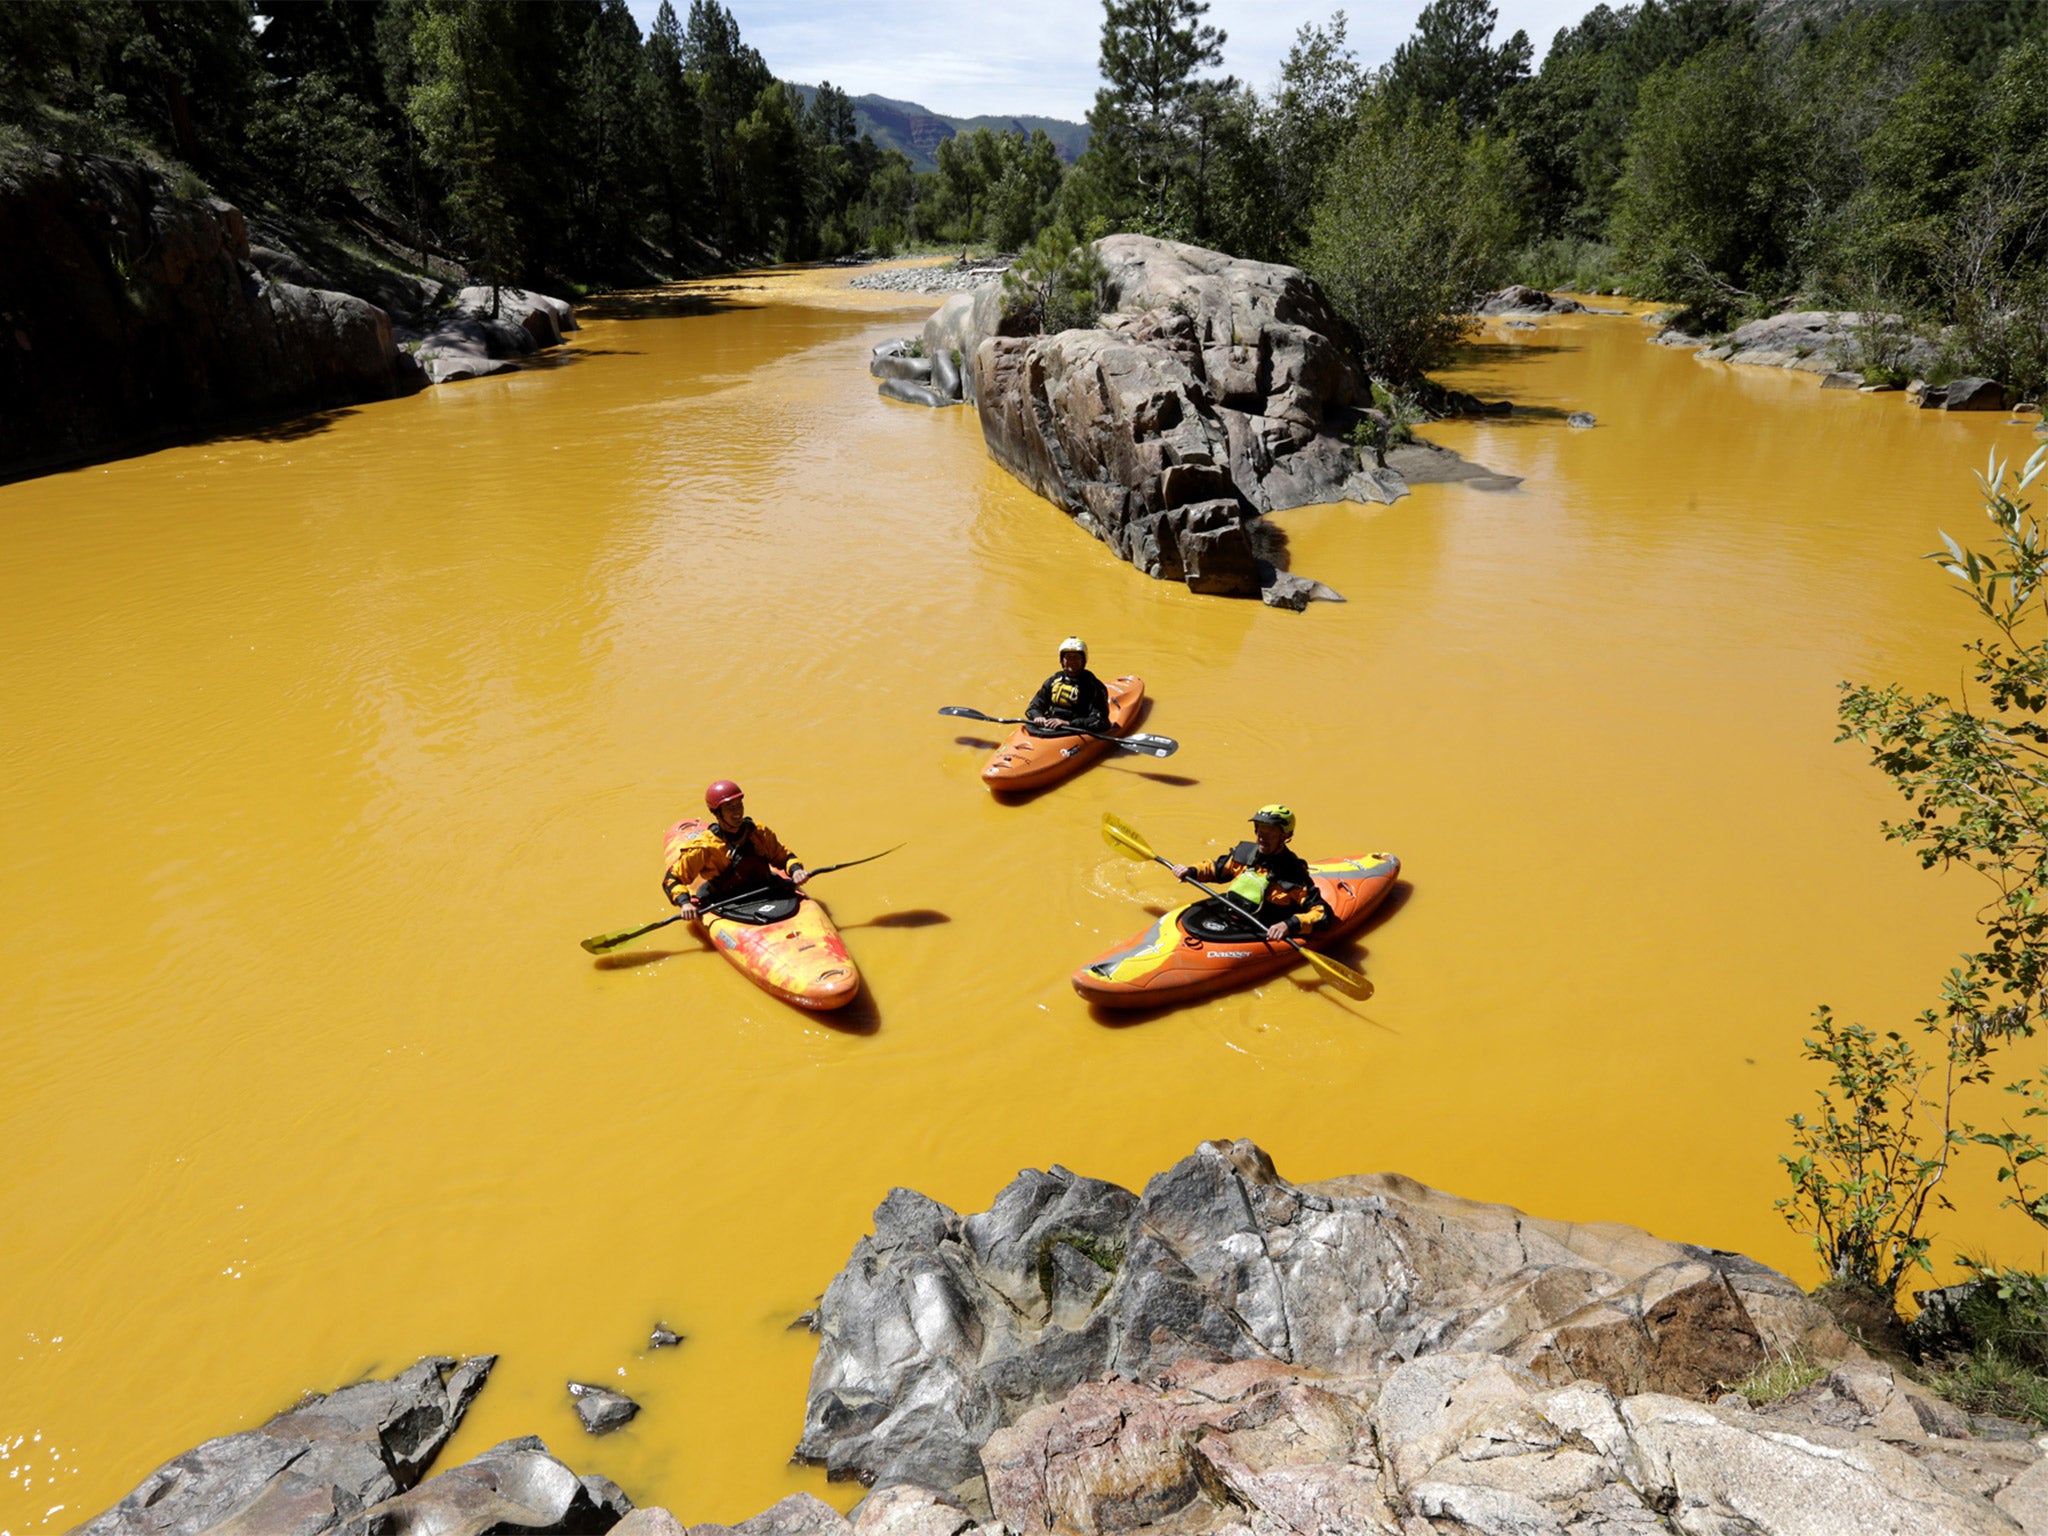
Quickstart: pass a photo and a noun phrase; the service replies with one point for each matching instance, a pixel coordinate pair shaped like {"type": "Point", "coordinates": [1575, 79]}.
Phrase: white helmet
{"type": "Point", "coordinates": [1074, 643]}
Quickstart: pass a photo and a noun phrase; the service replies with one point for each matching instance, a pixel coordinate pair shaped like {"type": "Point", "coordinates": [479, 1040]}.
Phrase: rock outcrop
{"type": "Point", "coordinates": [943, 1329]}
{"type": "Point", "coordinates": [316, 1466]}
{"type": "Point", "coordinates": [1213, 391]}
{"type": "Point", "coordinates": [131, 315]}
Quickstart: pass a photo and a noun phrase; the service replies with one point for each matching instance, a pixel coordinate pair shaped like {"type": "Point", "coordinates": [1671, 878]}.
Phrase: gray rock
{"type": "Point", "coordinates": [1816, 341]}
{"type": "Point", "coordinates": [515, 1486]}
{"type": "Point", "coordinates": [801, 1514]}
{"type": "Point", "coordinates": [899, 365]}
{"type": "Point", "coordinates": [1284, 589]}
{"type": "Point", "coordinates": [310, 1468]}
{"type": "Point", "coordinates": [946, 374]}
{"type": "Point", "coordinates": [652, 1520]}
{"type": "Point", "coordinates": [602, 1409]}
{"type": "Point", "coordinates": [912, 393]}
{"type": "Point", "coordinates": [544, 318]}
{"type": "Point", "coordinates": [1517, 299]}
{"type": "Point", "coordinates": [1839, 380]}
{"type": "Point", "coordinates": [664, 1337]}
{"type": "Point", "coordinates": [940, 1331]}
{"type": "Point", "coordinates": [1580, 419]}
{"type": "Point", "coordinates": [1973, 395]}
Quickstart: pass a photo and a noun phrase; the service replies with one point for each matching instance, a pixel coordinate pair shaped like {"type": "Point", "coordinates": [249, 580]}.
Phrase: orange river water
{"type": "Point", "coordinates": [320, 748]}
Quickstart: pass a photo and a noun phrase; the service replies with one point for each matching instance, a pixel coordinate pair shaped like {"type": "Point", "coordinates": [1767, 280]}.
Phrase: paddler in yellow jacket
{"type": "Point", "coordinates": [732, 854]}
{"type": "Point", "coordinates": [1267, 879]}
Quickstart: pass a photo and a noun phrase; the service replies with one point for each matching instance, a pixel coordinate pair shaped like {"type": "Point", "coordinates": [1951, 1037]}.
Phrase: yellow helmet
{"type": "Point", "coordinates": [1277, 815]}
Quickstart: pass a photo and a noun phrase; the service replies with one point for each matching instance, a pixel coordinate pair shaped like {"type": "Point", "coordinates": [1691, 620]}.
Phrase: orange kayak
{"type": "Point", "coordinates": [1026, 761]}
{"type": "Point", "coordinates": [1193, 950]}
{"type": "Point", "coordinates": [794, 953]}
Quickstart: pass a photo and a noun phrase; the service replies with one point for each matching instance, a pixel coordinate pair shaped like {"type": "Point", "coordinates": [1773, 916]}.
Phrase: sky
{"type": "Point", "coordinates": [1037, 57]}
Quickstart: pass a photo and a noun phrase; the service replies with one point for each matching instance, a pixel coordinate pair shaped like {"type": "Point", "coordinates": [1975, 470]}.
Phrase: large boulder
{"type": "Point", "coordinates": [1814, 341]}
{"type": "Point", "coordinates": [1210, 379]}
{"type": "Point", "coordinates": [516, 1488]}
{"type": "Point", "coordinates": [942, 1329]}
{"type": "Point", "coordinates": [313, 1467]}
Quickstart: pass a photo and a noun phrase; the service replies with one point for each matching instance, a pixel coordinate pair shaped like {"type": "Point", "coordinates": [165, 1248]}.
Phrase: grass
{"type": "Point", "coordinates": [1785, 1374]}
{"type": "Point", "coordinates": [1984, 1345]}
{"type": "Point", "coordinates": [1577, 266]}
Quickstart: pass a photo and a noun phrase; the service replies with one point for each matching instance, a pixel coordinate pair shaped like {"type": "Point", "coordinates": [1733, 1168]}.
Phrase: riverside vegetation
{"type": "Point", "coordinates": [1873, 1164]}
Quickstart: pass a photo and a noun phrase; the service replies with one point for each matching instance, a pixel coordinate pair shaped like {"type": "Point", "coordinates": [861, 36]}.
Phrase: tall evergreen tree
{"type": "Point", "coordinates": [674, 128]}
{"type": "Point", "coordinates": [1151, 53]}
{"type": "Point", "coordinates": [1451, 61]}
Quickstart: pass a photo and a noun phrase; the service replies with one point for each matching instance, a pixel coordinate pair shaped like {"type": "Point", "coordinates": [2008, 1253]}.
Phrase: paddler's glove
{"type": "Point", "coordinates": [797, 874]}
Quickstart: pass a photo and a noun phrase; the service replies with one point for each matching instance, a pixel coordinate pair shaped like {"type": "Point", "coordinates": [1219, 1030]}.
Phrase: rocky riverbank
{"type": "Point", "coordinates": [1227, 1352]}
{"type": "Point", "coordinates": [963, 278]}
{"type": "Point", "coordinates": [135, 315]}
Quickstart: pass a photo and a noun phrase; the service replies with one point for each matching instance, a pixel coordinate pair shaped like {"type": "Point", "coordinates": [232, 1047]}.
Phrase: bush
{"type": "Point", "coordinates": [1056, 283]}
{"type": "Point", "coordinates": [1574, 265]}
{"type": "Point", "coordinates": [1412, 231]}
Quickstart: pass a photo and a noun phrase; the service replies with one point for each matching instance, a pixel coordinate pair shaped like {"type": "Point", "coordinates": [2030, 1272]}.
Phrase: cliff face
{"type": "Point", "coordinates": [130, 315]}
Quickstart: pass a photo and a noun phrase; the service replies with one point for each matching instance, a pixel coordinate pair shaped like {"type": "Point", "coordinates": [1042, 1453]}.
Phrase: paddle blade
{"type": "Point", "coordinates": [1347, 981]}
{"type": "Point", "coordinates": [964, 712]}
{"type": "Point", "coordinates": [1126, 839]}
{"type": "Point", "coordinates": [597, 944]}
{"type": "Point", "coordinates": [1156, 746]}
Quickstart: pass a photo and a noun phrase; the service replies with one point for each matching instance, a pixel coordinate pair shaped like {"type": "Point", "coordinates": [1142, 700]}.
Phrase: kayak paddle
{"type": "Point", "coordinates": [599, 944]}
{"type": "Point", "coordinates": [1137, 741]}
{"type": "Point", "coordinates": [1129, 842]}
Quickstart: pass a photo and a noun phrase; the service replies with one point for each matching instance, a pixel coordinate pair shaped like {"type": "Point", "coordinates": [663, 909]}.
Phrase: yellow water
{"type": "Point", "coordinates": [321, 749]}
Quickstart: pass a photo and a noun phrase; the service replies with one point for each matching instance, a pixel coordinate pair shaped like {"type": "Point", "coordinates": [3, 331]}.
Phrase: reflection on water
{"type": "Point", "coordinates": [323, 749]}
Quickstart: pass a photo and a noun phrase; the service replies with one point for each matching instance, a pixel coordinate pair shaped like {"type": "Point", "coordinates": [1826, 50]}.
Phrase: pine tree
{"type": "Point", "coordinates": [675, 128]}
{"type": "Point", "coordinates": [1451, 60]}
{"type": "Point", "coordinates": [1151, 50]}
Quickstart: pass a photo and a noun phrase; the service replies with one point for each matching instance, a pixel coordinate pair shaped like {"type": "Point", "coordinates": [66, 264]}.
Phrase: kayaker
{"type": "Point", "coordinates": [733, 853]}
{"type": "Point", "coordinates": [1268, 879]}
{"type": "Point", "coordinates": [1072, 699]}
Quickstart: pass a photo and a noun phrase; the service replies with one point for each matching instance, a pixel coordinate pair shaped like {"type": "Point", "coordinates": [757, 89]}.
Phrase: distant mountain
{"type": "Point", "coordinates": [918, 131]}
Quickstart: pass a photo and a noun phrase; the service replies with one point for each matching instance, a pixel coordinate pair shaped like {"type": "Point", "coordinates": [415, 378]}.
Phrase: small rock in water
{"type": "Point", "coordinates": [808, 1321]}
{"type": "Point", "coordinates": [600, 1408]}
{"type": "Point", "coordinates": [1580, 419]}
{"type": "Point", "coordinates": [665, 1337]}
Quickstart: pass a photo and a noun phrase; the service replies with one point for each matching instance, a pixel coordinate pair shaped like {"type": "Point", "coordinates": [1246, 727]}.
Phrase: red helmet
{"type": "Point", "coordinates": [721, 792]}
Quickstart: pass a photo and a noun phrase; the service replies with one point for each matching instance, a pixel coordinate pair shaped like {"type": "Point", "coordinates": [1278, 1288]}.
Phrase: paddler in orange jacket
{"type": "Point", "coordinates": [731, 855]}
{"type": "Point", "coordinates": [1268, 879]}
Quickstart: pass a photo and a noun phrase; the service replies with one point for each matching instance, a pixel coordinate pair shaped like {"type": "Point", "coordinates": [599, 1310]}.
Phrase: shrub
{"type": "Point", "coordinates": [1412, 231]}
{"type": "Point", "coordinates": [1056, 284]}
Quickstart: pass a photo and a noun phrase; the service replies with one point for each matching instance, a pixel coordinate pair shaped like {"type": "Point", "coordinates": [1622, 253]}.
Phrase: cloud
{"type": "Point", "coordinates": [1038, 57]}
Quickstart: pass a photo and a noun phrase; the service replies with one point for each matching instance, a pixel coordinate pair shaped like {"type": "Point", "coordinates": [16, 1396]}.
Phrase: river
{"type": "Point", "coordinates": [324, 746]}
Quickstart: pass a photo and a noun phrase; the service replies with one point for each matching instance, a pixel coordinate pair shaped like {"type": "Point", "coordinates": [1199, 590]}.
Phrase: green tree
{"type": "Point", "coordinates": [1414, 228]}
{"type": "Point", "coordinates": [1057, 283]}
{"type": "Point", "coordinates": [668, 109]}
{"type": "Point", "coordinates": [729, 77]}
{"type": "Point", "coordinates": [461, 102]}
{"type": "Point", "coordinates": [1151, 53]}
{"type": "Point", "coordinates": [1706, 193]}
{"type": "Point", "coordinates": [1451, 61]}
